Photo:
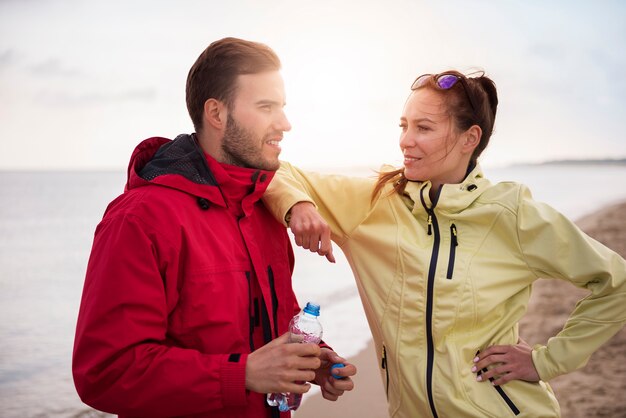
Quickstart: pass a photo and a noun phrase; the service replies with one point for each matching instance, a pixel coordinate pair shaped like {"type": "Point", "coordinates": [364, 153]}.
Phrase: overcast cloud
{"type": "Point", "coordinates": [85, 81]}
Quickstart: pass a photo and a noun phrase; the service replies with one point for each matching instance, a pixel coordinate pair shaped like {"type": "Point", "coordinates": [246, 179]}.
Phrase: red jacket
{"type": "Point", "coordinates": [188, 274]}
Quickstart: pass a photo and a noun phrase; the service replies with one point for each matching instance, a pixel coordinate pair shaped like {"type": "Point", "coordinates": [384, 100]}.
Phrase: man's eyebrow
{"type": "Point", "coordinates": [270, 102]}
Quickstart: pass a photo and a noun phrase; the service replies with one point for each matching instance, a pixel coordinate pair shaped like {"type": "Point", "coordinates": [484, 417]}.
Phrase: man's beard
{"type": "Point", "coordinates": [243, 149]}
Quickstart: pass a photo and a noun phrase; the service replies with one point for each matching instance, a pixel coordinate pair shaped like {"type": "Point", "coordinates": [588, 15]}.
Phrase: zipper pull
{"type": "Point", "coordinates": [455, 240]}
{"type": "Point", "coordinates": [383, 363]}
{"type": "Point", "coordinates": [430, 224]}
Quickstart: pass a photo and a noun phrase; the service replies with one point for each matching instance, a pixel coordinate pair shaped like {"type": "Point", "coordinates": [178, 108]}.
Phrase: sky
{"type": "Point", "coordinates": [83, 81]}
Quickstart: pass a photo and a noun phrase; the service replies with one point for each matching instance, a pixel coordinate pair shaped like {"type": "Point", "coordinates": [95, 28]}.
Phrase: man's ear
{"type": "Point", "coordinates": [215, 114]}
{"type": "Point", "coordinates": [471, 138]}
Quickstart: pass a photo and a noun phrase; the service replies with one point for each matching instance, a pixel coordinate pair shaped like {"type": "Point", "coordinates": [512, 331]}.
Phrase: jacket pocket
{"type": "Point", "coordinates": [506, 399]}
{"type": "Point", "coordinates": [478, 399]}
{"type": "Point", "coordinates": [454, 242]}
{"type": "Point", "coordinates": [503, 395]}
{"type": "Point", "coordinates": [215, 302]}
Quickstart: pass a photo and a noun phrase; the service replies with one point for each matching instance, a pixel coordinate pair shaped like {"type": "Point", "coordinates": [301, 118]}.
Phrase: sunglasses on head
{"type": "Point", "coordinates": [445, 81]}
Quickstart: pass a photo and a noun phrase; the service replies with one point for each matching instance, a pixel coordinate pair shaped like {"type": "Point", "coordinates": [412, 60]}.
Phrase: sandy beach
{"type": "Point", "coordinates": [593, 391]}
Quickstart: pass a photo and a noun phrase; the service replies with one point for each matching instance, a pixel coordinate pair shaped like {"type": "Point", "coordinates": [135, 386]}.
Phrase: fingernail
{"type": "Point", "coordinates": [474, 369]}
{"type": "Point", "coordinates": [479, 378]}
{"type": "Point", "coordinates": [476, 359]}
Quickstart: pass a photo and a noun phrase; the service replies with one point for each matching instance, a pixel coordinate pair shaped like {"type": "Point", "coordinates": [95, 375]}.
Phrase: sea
{"type": "Point", "coordinates": [47, 220]}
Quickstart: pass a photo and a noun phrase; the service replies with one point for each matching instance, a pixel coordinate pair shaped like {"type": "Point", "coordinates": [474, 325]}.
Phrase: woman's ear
{"type": "Point", "coordinates": [471, 138]}
{"type": "Point", "coordinates": [215, 114]}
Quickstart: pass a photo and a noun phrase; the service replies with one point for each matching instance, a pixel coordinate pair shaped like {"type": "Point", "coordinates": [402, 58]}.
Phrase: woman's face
{"type": "Point", "coordinates": [432, 146]}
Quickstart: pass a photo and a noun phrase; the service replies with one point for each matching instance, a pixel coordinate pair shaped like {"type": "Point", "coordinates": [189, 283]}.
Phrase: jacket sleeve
{"type": "Point", "coordinates": [341, 200]}
{"type": "Point", "coordinates": [556, 248]}
{"type": "Point", "coordinates": [123, 360]}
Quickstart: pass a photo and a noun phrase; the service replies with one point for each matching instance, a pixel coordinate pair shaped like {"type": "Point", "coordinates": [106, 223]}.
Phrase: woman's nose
{"type": "Point", "coordinates": [406, 140]}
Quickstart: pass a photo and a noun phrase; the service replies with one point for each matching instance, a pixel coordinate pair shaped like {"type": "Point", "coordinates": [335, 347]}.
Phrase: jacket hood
{"type": "Point", "coordinates": [181, 164]}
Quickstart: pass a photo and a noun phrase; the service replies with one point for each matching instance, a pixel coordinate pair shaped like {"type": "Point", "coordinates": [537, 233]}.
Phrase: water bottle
{"type": "Point", "coordinates": [305, 328]}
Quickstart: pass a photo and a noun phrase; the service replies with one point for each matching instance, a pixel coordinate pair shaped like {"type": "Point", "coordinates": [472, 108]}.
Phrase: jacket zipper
{"type": "Point", "coordinates": [383, 365]}
{"type": "Point", "coordinates": [270, 274]}
{"type": "Point", "coordinates": [454, 242]}
{"type": "Point", "coordinates": [508, 400]}
{"type": "Point", "coordinates": [275, 413]}
{"type": "Point", "coordinates": [502, 393]}
{"type": "Point", "coordinates": [251, 313]}
{"type": "Point", "coordinates": [433, 227]}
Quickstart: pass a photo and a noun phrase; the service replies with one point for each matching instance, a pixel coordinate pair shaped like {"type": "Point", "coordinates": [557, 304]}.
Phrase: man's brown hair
{"type": "Point", "coordinates": [214, 74]}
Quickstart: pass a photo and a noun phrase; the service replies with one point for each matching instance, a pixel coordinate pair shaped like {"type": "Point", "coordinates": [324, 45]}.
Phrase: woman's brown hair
{"type": "Point", "coordinates": [471, 101]}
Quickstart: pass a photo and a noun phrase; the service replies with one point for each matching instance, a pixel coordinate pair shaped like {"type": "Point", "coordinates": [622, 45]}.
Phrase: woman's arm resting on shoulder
{"type": "Point", "coordinates": [342, 201]}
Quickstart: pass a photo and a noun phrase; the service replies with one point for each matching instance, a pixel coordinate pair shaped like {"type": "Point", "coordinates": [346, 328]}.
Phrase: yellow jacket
{"type": "Point", "coordinates": [440, 282]}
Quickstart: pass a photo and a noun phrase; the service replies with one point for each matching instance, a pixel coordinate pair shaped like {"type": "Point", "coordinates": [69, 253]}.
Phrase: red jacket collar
{"type": "Point", "coordinates": [182, 165]}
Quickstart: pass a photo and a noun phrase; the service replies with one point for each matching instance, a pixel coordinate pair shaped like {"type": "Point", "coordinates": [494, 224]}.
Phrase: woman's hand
{"type": "Point", "coordinates": [310, 230]}
{"type": "Point", "coordinates": [503, 363]}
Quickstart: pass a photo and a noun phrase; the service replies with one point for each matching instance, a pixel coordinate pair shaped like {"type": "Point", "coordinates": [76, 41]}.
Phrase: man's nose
{"type": "Point", "coordinates": [282, 123]}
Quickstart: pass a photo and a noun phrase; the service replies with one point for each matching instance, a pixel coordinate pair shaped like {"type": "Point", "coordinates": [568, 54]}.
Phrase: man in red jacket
{"type": "Point", "coordinates": [188, 294]}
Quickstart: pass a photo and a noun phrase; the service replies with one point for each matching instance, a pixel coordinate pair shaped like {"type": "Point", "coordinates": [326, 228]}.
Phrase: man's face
{"type": "Point", "coordinates": [256, 122]}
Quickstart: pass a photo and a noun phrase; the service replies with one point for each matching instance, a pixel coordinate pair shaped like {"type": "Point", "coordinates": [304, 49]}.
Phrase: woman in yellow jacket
{"type": "Point", "coordinates": [444, 262]}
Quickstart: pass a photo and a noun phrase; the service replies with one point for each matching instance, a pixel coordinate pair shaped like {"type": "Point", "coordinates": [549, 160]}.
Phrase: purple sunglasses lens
{"type": "Point", "coordinates": [446, 81]}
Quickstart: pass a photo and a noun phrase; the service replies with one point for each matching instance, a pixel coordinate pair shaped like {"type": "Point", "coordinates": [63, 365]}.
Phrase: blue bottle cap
{"type": "Point", "coordinates": [334, 366]}
{"type": "Point", "coordinates": [312, 308]}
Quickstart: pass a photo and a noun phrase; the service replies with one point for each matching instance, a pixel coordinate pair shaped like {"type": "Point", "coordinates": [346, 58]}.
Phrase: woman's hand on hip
{"type": "Point", "coordinates": [502, 363]}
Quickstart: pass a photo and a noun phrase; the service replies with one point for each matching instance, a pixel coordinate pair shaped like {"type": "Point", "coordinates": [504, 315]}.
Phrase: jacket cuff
{"type": "Point", "coordinates": [322, 344]}
{"type": "Point", "coordinates": [542, 363]}
{"type": "Point", "coordinates": [287, 215]}
{"type": "Point", "coordinates": [233, 380]}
